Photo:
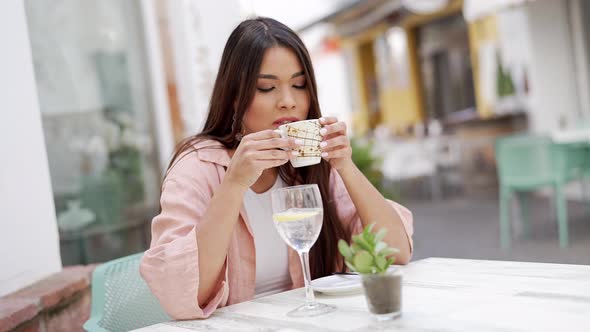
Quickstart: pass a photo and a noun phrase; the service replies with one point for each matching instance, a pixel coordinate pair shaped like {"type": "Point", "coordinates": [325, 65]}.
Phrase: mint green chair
{"type": "Point", "coordinates": [121, 300]}
{"type": "Point", "coordinates": [585, 124]}
{"type": "Point", "coordinates": [527, 163]}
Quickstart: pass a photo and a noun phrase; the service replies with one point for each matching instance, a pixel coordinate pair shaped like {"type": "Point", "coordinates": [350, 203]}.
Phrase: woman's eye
{"type": "Point", "coordinates": [300, 86]}
{"type": "Point", "coordinates": [265, 89]}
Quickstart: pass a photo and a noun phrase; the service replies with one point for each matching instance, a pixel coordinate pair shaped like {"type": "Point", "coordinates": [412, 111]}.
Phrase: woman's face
{"type": "Point", "coordinates": [281, 92]}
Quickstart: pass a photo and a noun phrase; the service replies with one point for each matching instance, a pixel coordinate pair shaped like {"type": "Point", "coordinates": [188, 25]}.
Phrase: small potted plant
{"type": "Point", "coordinates": [371, 258]}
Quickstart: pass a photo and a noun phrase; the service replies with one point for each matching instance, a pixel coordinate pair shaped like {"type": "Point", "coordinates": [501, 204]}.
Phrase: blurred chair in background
{"type": "Point", "coordinates": [527, 163]}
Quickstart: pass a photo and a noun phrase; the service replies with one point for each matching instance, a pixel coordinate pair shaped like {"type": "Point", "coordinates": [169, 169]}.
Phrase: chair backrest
{"type": "Point", "coordinates": [524, 157]}
{"type": "Point", "coordinates": [121, 300]}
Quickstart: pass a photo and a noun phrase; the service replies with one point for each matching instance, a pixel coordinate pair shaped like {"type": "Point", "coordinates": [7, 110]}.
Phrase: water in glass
{"type": "Point", "coordinates": [299, 228]}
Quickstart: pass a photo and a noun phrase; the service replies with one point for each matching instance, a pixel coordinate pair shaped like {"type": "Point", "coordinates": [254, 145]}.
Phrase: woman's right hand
{"type": "Point", "coordinates": [257, 152]}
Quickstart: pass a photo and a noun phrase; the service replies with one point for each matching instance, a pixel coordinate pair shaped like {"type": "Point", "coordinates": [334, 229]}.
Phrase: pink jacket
{"type": "Point", "coordinates": [171, 265]}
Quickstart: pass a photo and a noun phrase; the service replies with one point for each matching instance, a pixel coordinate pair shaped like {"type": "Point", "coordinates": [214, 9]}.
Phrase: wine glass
{"type": "Point", "coordinates": [298, 214]}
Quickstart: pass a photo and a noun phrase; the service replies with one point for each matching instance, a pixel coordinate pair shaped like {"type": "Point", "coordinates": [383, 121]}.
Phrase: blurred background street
{"type": "Point", "coordinates": [468, 228]}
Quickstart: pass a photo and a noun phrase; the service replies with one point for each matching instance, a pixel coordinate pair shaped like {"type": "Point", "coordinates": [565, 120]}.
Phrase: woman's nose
{"type": "Point", "coordinates": [287, 101]}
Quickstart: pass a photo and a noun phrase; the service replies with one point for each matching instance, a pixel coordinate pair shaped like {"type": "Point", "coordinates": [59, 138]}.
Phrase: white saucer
{"type": "Point", "coordinates": [338, 284]}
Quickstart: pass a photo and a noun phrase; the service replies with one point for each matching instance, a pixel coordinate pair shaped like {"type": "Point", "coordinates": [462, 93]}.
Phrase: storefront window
{"type": "Point", "coordinates": [445, 63]}
{"type": "Point", "coordinates": [92, 82]}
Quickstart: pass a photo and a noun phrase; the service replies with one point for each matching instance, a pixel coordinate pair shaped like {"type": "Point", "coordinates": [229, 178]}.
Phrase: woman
{"type": "Point", "coordinates": [214, 243]}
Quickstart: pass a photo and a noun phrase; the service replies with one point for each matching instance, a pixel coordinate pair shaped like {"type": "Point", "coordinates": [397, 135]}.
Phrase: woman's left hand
{"type": "Point", "coordinates": [335, 144]}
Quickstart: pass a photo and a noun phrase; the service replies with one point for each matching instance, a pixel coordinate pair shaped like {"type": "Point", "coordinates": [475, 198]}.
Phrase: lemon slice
{"type": "Point", "coordinates": [293, 216]}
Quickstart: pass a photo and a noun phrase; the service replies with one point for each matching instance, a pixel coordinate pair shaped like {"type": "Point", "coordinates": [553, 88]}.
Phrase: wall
{"type": "Point", "coordinates": [504, 36]}
{"type": "Point", "coordinates": [332, 73]}
{"type": "Point", "coordinates": [331, 77]}
{"type": "Point", "coordinates": [402, 102]}
{"type": "Point", "coordinates": [155, 59]}
{"type": "Point", "coordinates": [579, 14]}
{"type": "Point", "coordinates": [475, 9]}
{"type": "Point", "coordinates": [198, 31]}
{"type": "Point", "coordinates": [481, 33]}
{"type": "Point", "coordinates": [359, 55]}
{"type": "Point", "coordinates": [28, 240]}
{"type": "Point", "coordinates": [554, 101]}
{"type": "Point", "coordinates": [360, 115]}
{"type": "Point", "coordinates": [535, 39]}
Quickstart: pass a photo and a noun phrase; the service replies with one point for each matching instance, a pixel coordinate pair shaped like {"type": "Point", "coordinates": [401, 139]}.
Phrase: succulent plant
{"type": "Point", "coordinates": [368, 254]}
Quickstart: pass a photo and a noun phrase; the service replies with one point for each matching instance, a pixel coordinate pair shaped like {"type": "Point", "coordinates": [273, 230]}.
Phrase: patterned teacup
{"type": "Point", "coordinates": [309, 132]}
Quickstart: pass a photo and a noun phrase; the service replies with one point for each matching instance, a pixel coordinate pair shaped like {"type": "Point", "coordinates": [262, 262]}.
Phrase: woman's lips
{"type": "Point", "coordinates": [283, 121]}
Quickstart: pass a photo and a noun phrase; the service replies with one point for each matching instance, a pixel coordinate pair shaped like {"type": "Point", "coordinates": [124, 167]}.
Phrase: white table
{"type": "Point", "coordinates": [568, 136]}
{"type": "Point", "coordinates": [439, 295]}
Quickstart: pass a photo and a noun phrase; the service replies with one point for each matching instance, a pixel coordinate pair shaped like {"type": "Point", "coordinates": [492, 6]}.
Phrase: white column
{"type": "Point", "coordinates": [332, 74]}
{"type": "Point", "coordinates": [198, 32]}
{"type": "Point", "coordinates": [554, 99]}
{"type": "Point", "coordinates": [158, 88]}
{"type": "Point", "coordinates": [581, 52]}
{"type": "Point", "coordinates": [29, 242]}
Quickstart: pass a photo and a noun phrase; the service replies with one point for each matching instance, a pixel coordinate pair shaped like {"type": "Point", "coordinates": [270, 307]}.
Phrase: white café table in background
{"type": "Point", "coordinates": [438, 295]}
{"type": "Point", "coordinates": [568, 136]}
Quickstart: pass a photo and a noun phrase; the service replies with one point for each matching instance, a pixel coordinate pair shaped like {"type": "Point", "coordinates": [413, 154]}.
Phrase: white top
{"type": "Point", "coordinates": [272, 260]}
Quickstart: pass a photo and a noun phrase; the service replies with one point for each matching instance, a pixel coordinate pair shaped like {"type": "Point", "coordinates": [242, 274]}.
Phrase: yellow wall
{"type": "Point", "coordinates": [416, 20]}
{"type": "Point", "coordinates": [402, 106]}
{"type": "Point", "coordinates": [360, 117]}
{"type": "Point", "coordinates": [481, 31]}
{"type": "Point", "coordinates": [362, 60]}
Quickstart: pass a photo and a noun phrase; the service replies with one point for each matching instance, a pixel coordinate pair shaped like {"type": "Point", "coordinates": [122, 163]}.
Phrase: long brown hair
{"type": "Point", "coordinates": [233, 93]}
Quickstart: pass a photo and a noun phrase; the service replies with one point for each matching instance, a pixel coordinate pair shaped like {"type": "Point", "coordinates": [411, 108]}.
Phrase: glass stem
{"type": "Point", "coordinates": [309, 297]}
